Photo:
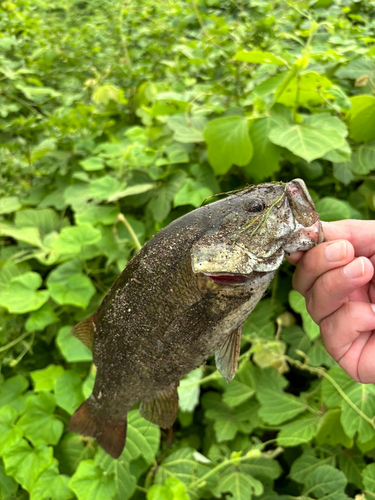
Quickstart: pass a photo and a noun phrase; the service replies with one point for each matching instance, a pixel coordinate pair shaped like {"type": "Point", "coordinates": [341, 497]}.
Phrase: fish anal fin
{"type": "Point", "coordinates": [163, 409]}
{"type": "Point", "coordinates": [84, 331]}
{"type": "Point", "coordinates": [110, 435]}
{"type": "Point", "coordinates": [226, 356]}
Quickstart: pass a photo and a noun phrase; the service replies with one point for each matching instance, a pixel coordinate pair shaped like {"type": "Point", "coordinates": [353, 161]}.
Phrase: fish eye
{"type": "Point", "coordinates": [255, 205]}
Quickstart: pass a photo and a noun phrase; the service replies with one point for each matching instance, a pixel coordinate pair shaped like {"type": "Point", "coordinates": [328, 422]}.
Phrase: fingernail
{"type": "Point", "coordinates": [355, 269]}
{"type": "Point", "coordinates": [335, 251]}
{"type": "Point", "coordinates": [373, 307]}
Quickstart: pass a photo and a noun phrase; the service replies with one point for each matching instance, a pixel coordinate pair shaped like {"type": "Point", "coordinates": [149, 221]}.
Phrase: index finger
{"type": "Point", "coordinates": [360, 233]}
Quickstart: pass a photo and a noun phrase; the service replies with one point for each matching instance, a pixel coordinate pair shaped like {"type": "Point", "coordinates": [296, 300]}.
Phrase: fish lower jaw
{"type": "Point", "coordinates": [229, 279]}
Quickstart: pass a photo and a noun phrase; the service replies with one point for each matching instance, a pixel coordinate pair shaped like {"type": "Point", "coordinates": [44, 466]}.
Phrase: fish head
{"type": "Point", "coordinates": [251, 230]}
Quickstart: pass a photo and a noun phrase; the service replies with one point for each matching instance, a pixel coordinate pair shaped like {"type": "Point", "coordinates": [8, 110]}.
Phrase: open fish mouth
{"type": "Point", "coordinates": [229, 279]}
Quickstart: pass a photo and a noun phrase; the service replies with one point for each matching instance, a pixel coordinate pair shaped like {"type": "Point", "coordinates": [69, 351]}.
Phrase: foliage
{"type": "Point", "coordinates": [115, 120]}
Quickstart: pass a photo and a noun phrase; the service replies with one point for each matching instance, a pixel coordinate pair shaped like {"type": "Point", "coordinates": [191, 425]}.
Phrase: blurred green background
{"type": "Point", "coordinates": [115, 119]}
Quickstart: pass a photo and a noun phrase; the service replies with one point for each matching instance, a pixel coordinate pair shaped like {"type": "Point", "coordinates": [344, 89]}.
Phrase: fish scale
{"type": "Point", "coordinates": [183, 297]}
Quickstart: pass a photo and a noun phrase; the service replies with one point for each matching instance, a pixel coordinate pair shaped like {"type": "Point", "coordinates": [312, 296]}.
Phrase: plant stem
{"type": "Point", "coordinates": [122, 218]}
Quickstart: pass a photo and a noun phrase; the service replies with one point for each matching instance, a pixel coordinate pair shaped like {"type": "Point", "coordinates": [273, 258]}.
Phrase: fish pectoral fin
{"type": "Point", "coordinates": [84, 331]}
{"type": "Point", "coordinates": [163, 409]}
{"type": "Point", "coordinates": [227, 355]}
{"type": "Point", "coordinates": [110, 435]}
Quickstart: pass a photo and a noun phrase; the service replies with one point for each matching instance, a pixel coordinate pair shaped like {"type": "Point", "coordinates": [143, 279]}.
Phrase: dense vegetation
{"type": "Point", "coordinates": [118, 117]}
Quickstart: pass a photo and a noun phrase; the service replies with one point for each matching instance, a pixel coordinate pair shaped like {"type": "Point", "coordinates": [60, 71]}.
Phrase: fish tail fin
{"type": "Point", "coordinates": [110, 435]}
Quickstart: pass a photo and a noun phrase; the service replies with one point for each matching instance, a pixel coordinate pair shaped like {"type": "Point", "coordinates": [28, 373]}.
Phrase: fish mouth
{"type": "Point", "coordinates": [229, 279]}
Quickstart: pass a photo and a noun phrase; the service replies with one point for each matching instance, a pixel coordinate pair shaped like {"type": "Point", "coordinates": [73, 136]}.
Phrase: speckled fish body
{"type": "Point", "coordinates": [183, 297]}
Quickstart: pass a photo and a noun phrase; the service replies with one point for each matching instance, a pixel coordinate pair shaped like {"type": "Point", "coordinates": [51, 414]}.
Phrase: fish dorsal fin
{"type": "Point", "coordinates": [84, 331]}
{"type": "Point", "coordinates": [163, 409]}
{"type": "Point", "coordinates": [227, 355]}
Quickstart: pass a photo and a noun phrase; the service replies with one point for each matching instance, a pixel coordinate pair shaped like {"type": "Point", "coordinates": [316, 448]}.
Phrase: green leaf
{"type": "Point", "coordinates": [343, 172]}
{"type": "Point", "coordinates": [21, 296]}
{"type": "Point", "coordinates": [132, 190]}
{"type": "Point", "coordinates": [72, 239]}
{"type": "Point", "coordinates": [38, 320]}
{"type": "Point", "coordinates": [92, 163]}
{"type": "Point", "coordinates": [298, 431]}
{"type": "Point", "coordinates": [105, 187]}
{"type": "Point", "coordinates": [39, 423]}
{"type": "Point", "coordinates": [10, 435]}
{"type": "Point", "coordinates": [8, 485]}
{"type": "Point", "coordinates": [11, 392]}
{"type": "Point", "coordinates": [9, 204]}
{"type": "Point", "coordinates": [191, 194]}
{"type": "Point", "coordinates": [305, 89]}
{"type": "Point", "coordinates": [71, 348]}
{"type": "Point", "coordinates": [326, 480]}
{"type": "Point", "coordinates": [330, 396]}
{"type": "Point", "coordinates": [124, 481]}
{"type": "Point", "coordinates": [173, 489]}
{"type": "Point", "coordinates": [71, 450]}
{"type": "Point", "coordinates": [242, 387]}
{"type": "Point", "coordinates": [308, 140]}
{"type": "Point", "coordinates": [90, 482]}
{"type": "Point", "coordinates": [142, 438]}
{"type": "Point", "coordinates": [318, 356]}
{"type": "Point", "coordinates": [228, 143]}
{"type": "Point", "coordinates": [259, 57]}
{"type": "Point", "coordinates": [265, 160]}
{"type": "Point", "coordinates": [51, 485]}
{"type": "Point", "coordinates": [46, 220]}
{"type": "Point", "coordinates": [330, 430]}
{"type": "Point", "coordinates": [187, 129]}
{"type": "Point", "coordinates": [68, 391]}
{"type": "Point", "coordinates": [369, 477]}
{"type": "Point", "coordinates": [306, 464]}
{"type": "Point", "coordinates": [362, 118]}
{"type": "Point", "coordinates": [241, 485]}
{"type": "Point", "coordinates": [298, 304]}
{"type": "Point", "coordinates": [189, 390]}
{"type": "Point", "coordinates": [352, 463]}
{"type": "Point", "coordinates": [29, 235]}
{"type": "Point", "coordinates": [364, 159]}
{"type": "Point", "coordinates": [26, 464]}
{"type": "Point", "coordinates": [331, 209]}
{"type": "Point", "coordinates": [44, 380]}
{"type": "Point", "coordinates": [160, 204]}
{"type": "Point", "coordinates": [363, 397]}
{"type": "Point", "coordinates": [339, 155]}
{"type": "Point", "coordinates": [67, 285]}
{"type": "Point", "coordinates": [96, 214]}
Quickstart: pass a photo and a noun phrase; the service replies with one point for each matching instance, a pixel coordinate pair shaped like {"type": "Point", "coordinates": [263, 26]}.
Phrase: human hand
{"type": "Point", "coordinates": [337, 280]}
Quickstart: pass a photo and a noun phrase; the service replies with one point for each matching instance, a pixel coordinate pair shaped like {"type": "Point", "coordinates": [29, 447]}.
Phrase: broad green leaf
{"type": "Point", "coordinates": [306, 464]}
{"type": "Point", "coordinates": [72, 449]}
{"type": "Point", "coordinates": [77, 195]}
{"type": "Point", "coordinates": [265, 160]}
{"type": "Point", "coordinates": [67, 285]}
{"type": "Point", "coordinates": [160, 204]}
{"type": "Point", "coordinates": [51, 485]}
{"type": "Point", "coordinates": [173, 489]}
{"type": "Point", "coordinates": [9, 204]}
{"type": "Point", "coordinates": [352, 463]}
{"type": "Point", "coordinates": [104, 94]}
{"type": "Point", "coordinates": [326, 480]}
{"type": "Point", "coordinates": [26, 464]}
{"type": "Point", "coordinates": [29, 235]}
{"type": "Point", "coordinates": [343, 172]}
{"type": "Point", "coordinates": [191, 194]}
{"type": "Point", "coordinates": [124, 481]}
{"type": "Point", "coordinates": [362, 118]}
{"type": "Point", "coordinates": [228, 143]}
{"type": "Point", "coordinates": [239, 483]}
{"type": "Point", "coordinates": [330, 396]}
{"type": "Point", "coordinates": [307, 141]}
{"type": "Point", "coordinates": [22, 295]}
{"type": "Point", "coordinates": [330, 430]}
{"type": "Point", "coordinates": [298, 431]}
{"type": "Point", "coordinates": [46, 220]}
{"type": "Point", "coordinates": [331, 209]}
{"type": "Point", "coordinates": [318, 356]}
{"type": "Point", "coordinates": [97, 214]}
{"type": "Point", "coordinates": [306, 89]}
{"type": "Point", "coordinates": [364, 159]}
{"type": "Point", "coordinates": [10, 435]}
{"type": "Point", "coordinates": [363, 397]}
{"type": "Point", "coordinates": [189, 390]}
{"type": "Point", "coordinates": [38, 423]}
{"type": "Point", "coordinates": [44, 379]}
{"type": "Point", "coordinates": [92, 163]}
{"type": "Point", "coordinates": [259, 57]}
{"type": "Point", "coordinates": [142, 438]}
{"type": "Point", "coordinates": [8, 485]}
{"type": "Point", "coordinates": [262, 467]}
{"type": "Point", "coordinates": [70, 347]}
{"type": "Point", "coordinates": [11, 392]}
{"type": "Point", "coordinates": [131, 191]}
{"type": "Point", "coordinates": [90, 482]}
{"type": "Point", "coordinates": [260, 323]}
{"type": "Point", "coordinates": [242, 387]}
{"type": "Point", "coordinates": [357, 67]}
{"type": "Point", "coordinates": [105, 187]}
{"type": "Point", "coordinates": [298, 304]}
{"type": "Point", "coordinates": [38, 320]}
{"type": "Point", "coordinates": [72, 239]}
{"type": "Point", "coordinates": [369, 477]}
{"type": "Point", "coordinates": [339, 155]}
{"type": "Point", "coordinates": [68, 391]}
{"type": "Point", "coordinates": [187, 129]}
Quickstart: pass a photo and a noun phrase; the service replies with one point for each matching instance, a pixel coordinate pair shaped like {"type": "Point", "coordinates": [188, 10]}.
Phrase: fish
{"type": "Point", "coordinates": [184, 296]}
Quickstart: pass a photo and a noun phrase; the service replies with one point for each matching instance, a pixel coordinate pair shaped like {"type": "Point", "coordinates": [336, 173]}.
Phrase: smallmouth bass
{"type": "Point", "coordinates": [183, 297]}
